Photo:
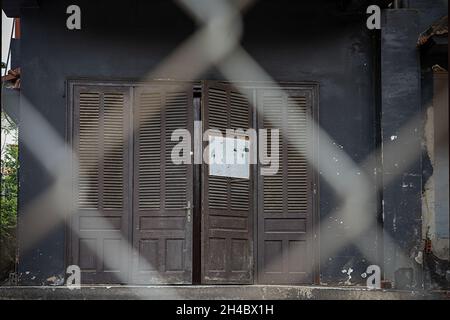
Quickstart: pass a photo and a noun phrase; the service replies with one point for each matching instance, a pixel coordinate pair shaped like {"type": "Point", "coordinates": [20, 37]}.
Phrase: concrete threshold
{"type": "Point", "coordinates": [214, 292]}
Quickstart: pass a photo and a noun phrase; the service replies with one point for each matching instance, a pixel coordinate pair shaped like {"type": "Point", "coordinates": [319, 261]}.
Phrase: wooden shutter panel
{"type": "Point", "coordinates": [113, 144]}
{"type": "Point", "coordinates": [149, 149]}
{"type": "Point", "coordinates": [285, 199]}
{"type": "Point", "coordinates": [227, 226]}
{"type": "Point", "coordinates": [88, 150]}
{"type": "Point", "coordinates": [162, 235]}
{"type": "Point", "coordinates": [100, 222]}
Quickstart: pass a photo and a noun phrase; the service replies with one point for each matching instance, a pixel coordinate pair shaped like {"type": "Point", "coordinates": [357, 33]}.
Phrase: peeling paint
{"type": "Point", "coordinates": [55, 280]}
{"type": "Point", "coordinates": [349, 274]}
{"type": "Point", "coordinates": [419, 257]}
{"type": "Point", "coordinates": [440, 247]}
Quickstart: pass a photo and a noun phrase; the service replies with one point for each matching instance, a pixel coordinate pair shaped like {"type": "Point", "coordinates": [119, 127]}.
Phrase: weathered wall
{"type": "Point", "coordinates": [302, 41]}
{"type": "Point", "coordinates": [406, 93]}
{"type": "Point", "coordinates": [430, 11]}
{"type": "Point", "coordinates": [402, 166]}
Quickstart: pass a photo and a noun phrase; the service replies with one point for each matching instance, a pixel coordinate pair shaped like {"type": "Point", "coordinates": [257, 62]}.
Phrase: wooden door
{"type": "Point", "coordinates": [162, 229]}
{"type": "Point", "coordinates": [227, 203]}
{"type": "Point", "coordinates": [99, 225]}
{"type": "Point", "coordinates": [285, 200]}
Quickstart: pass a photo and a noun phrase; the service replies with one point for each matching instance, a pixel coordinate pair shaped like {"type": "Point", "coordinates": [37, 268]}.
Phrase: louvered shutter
{"type": "Point", "coordinates": [227, 226]}
{"type": "Point", "coordinates": [101, 175]}
{"type": "Point", "coordinates": [285, 199]}
{"type": "Point", "coordinates": [162, 235]}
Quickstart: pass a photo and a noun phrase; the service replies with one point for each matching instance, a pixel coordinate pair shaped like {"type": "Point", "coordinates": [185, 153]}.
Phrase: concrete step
{"type": "Point", "coordinates": [223, 292]}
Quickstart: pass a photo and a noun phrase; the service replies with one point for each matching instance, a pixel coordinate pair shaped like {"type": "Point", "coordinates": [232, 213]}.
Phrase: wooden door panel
{"type": "Point", "coordinates": [99, 225]}
{"type": "Point", "coordinates": [227, 204]}
{"type": "Point", "coordinates": [285, 248]}
{"type": "Point", "coordinates": [162, 234]}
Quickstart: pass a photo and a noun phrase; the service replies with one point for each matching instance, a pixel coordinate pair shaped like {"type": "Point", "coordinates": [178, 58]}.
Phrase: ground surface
{"type": "Point", "coordinates": [253, 292]}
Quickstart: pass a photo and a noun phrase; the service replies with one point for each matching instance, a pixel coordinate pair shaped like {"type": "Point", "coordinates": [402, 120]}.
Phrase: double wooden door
{"type": "Point", "coordinates": [130, 223]}
{"type": "Point", "coordinates": [134, 213]}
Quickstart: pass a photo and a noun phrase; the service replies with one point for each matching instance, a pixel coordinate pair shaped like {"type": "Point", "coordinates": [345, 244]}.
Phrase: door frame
{"type": "Point", "coordinates": [70, 84]}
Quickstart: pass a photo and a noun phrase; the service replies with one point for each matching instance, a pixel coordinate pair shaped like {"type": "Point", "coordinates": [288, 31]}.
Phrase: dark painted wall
{"type": "Point", "coordinates": [429, 11]}
{"type": "Point", "coordinates": [400, 104]}
{"type": "Point", "coordinates": [292, 42]}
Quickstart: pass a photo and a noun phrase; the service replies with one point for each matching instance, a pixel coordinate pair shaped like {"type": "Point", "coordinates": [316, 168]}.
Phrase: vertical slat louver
{"type": "Point", "coordinates": [218, 109]}
{"type": "Point", "coordinates": [274, 184]}
{"type": "Point", "coordinates": [113, 151]}
{"type": "Point", "coordinates": [297, 166]}
{"type": "Point", "coordinates": [149, 158]}
{"type": "Point", "coordinates": [88, 150]}
{"type": "Point", "coordinates": [175, 174]}
{"type": "Point", "coordinates": [239, 194]}
{"type": "Point", "coordinates": [239, 115]}
{"type": "Point", "coordinates": [218, 196]}
{"type": "Point", "coordinates": [218, 119]}
{"type": "Point", "coordinates": [239, 120]}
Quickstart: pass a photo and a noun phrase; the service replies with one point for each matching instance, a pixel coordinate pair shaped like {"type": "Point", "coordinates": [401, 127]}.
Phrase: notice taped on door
{"type": "Point", "coordinates": [229, 157]}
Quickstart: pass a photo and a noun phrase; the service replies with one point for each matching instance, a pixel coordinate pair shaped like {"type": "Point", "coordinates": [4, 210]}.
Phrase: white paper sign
{"type": "Point", "coordinates": [229, 157]}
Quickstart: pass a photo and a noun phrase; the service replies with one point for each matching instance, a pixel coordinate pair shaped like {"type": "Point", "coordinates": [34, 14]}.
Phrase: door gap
{"type": "Point", "coordinates": [197, 195]}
